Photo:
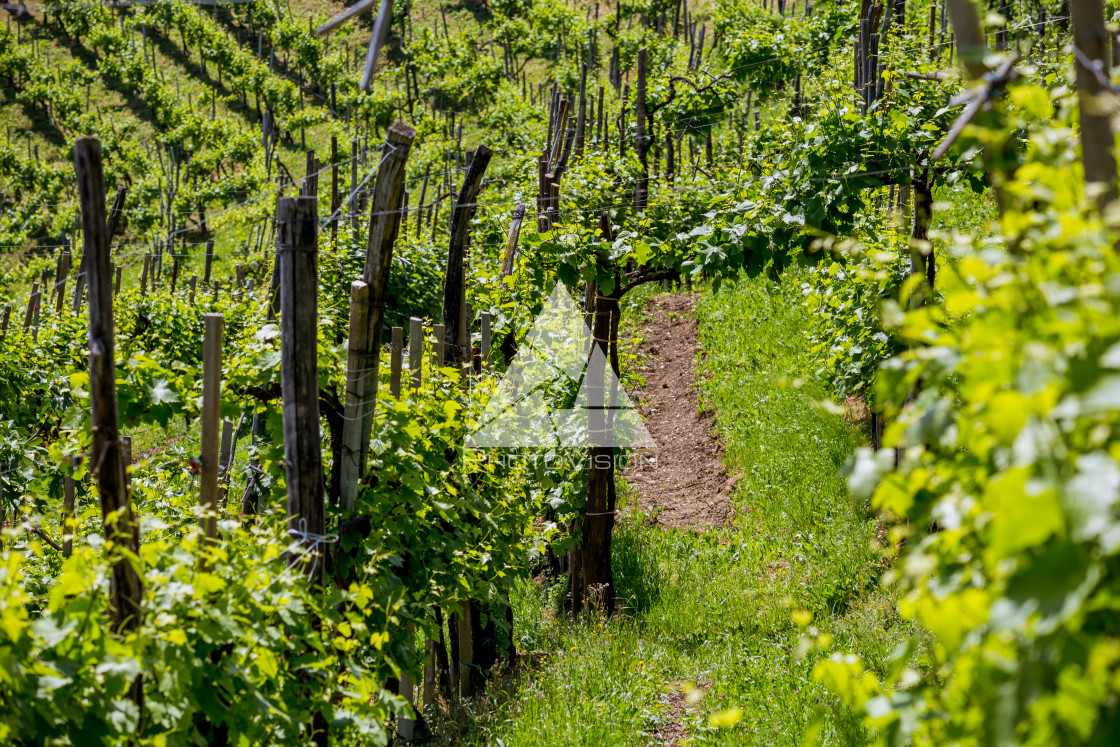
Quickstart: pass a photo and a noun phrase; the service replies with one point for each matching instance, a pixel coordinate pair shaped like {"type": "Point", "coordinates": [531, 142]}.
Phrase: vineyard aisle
{"type": "Point", "coordinates": [681, 481]}
{"type": "Point", "coordinates": [719, 593]}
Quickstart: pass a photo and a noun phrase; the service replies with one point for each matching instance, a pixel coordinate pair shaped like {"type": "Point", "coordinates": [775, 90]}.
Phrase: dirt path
{"type": "Point", "coordinates": [682, 480]}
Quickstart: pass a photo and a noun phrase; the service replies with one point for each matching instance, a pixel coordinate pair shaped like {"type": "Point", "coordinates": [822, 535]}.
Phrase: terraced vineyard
{"type": "Point", "coordinates": [540, 372]}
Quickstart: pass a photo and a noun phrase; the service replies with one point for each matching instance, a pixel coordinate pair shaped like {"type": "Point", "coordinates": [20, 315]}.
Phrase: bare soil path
{"type": "Point", "coordinates": [681, 481]}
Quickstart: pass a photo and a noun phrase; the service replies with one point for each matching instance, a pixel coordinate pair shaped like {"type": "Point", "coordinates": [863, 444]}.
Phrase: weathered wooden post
{"type": "Point", "coordinates": [211, 402]}
{"type": "Point", "coordinates": [1095, 102]}
{"type": "Point", "coordinates": [225, 461]}
{"type": "Point", "coordinates": [367, 309]}
{"type": "Point", "coordinates": [396, 351]}
{"type": "Point", "coordinates": [60, 284]}
{"type": "Point", "coordinates": [484, 345]}
{"type": "Point", "coordinates": [67, 512]}
{"type": "Point", "coordinates": [640, 145]}
{"type": "Point", "coordinates": [454, 287]}
{"type": "Point", "coordinates": [511, 241]}
{"type": "Point", "coordinates": [415, 350]}
{"type": "Point", "coordinates": [438, 331]}
{"type": "Point", "coordinates": [209, 261]}
{"type": "Point", "coordinates": [297, 230]}
{"type": "Point", "coordinates": [144, 273]}
{"type": "Point", "coordinates": [106, 454]}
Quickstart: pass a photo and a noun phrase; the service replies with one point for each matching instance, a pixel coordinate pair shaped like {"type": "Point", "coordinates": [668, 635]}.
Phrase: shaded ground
{"type": "Point", "coordinates": [682, 481]}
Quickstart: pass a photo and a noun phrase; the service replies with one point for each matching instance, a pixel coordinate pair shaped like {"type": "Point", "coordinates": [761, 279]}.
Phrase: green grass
{"type": "Point", "coordinates": [713, 610]}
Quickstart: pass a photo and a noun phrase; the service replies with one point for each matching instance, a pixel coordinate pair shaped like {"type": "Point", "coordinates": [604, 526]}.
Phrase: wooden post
{"type": "Point", "coordinates": [144, 273]}
{"type": "Point", "coordinates": [415, 350]}
{"type": "Point", "coordinates": [971, 44]}
{"type": "Point", "coordinates": [30, 313]}
{"type": "Point", "coordinates": [117, 283]}
{"type": "Point", "coordinates": [225, 461]}
{"type": "Point", "coordinates": [335, 204]}
{"type": "Point", "coordinates": [1090, 41]}
{"type": "Point", "coordinates": [429, 677]}
{"type": "Point", "coordinates": [595, 564]}
{"type": "Point", "coordinates": [640, 145]}
{"type": "Point", "coordinates": [484, 344]}
{"type": "Point", "coordinates": [121, 529]}
{"type": "Point", "coordinates": [454, 288]}
{"type": "Point", "coordinates": [67, 513]}
{"type": "Point", "coordinates": [581, 111]}
{"type": "Point", "coordinates": [437, 345]}
{"type": "Point", "coordinates": [466, 650]}
{"type": "Point", "coordinates": [4, 322]}
{"type": "Point", "coordinates": [297, 228]}
{"type": "Point", "coordinates": [60, 287]}
{"type": "Point", "coordinates": [367, 308]}
{"type": "Point", "coordinates": [209, 261]}
{"type": "Point", "coordinates": [211, 402]}
{"type": "Point", "coordinates": [511, 241]}
{"type": "Point", "coordinates": [194, 285]}
{"type": "Point", "coordinates": [396, 350]}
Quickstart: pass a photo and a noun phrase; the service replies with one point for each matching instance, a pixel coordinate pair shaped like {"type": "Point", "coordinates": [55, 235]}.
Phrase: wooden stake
{"type": "Point", "coordinates": [484, 345]}
{"type": "Point", "coordinates": [438, 331]}
{"type": "Point", "coordinates": [211, 402]}
{"type": "Point", "coordinates": [297, 234]}
{"type": "Point", "coordinates": [454, 288]}
{"type": "Point", "coordinates": [1090, 41]}
{"type": "Point", "coordinates": [30, 313]}
{"type": "Point", "coordinates": [415, 350]}
{"type": "Point", "coordinates": [640, 144]}
{"type": "Point", "coordinates": [67, 514]}
{"type": "Point", "coordinates": [511, 242]}
{"type": "Point", "coordinates": [396, 349]}
{"type": "Point", "coordinates": [121, 529]}
{"type": "Point", "coordinates": [366, 315]}
{"type": "Point", "coordinates": [209, 261]}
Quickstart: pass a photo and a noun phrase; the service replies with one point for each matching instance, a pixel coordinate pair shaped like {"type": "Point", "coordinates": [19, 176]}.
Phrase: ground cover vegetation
{"type": "Point", "coordinates": [901, 221]}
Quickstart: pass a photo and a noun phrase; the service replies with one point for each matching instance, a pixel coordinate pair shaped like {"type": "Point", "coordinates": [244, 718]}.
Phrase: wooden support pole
{"type": "Point", "coordinates": [415, 350]}
{"type": "Point", "coordinates": [454, 287]}
{"type": "Point", "coordinates": [484, 344]}
{"type": "Point", "coordinates": [396, 352]}
{"type": "Point", "coordinates": [438, 332]}
{"type": "Point", "coordinates": [30, 313]}
{"type": "Point", "coordinates": [511, 241]}
{"type": "Point", "coordinates": [209, 261]}
{"type": "Point", "coordinates": [1095, 101]}
{"type": "Point", "coordinates": [335, 200]}
{"type": "Point", "coordinates": [581, 111]}
{"type": "Point", "coordinates": [225, 461]}
{"type": "Point", "coordinates": [466, 650]}
{"type": "Point", "coordinates": [60, 284]}
{"type": "Point", "coordinates": [144, 273]}
{"type": "Point", "coordinates": [194, 286]}
{"type": "Point", "coordinates": [211, 402]}
{"type": "Point", "coordinates": [367, 307]}
{"type": "Point", "coordinates": [67, 514]}
{"type": "Point", "coordinates": [106, 454]}
{"type": "Point", "coordinates": [640, 144]}
{"type": "Point", "coordinates": [4, 322]}
{"type": "Point", "coordinates": [297, 228]}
